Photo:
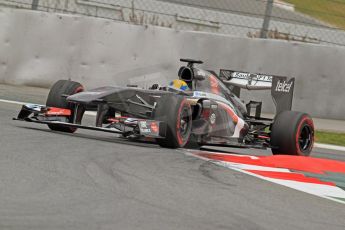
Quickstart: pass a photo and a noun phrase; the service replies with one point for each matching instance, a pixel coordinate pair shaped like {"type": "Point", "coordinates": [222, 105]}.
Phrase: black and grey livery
{"type": "Point", "coordinates": [209, 113]}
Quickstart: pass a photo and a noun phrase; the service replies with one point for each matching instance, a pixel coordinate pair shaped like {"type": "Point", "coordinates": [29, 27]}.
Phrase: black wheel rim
{"type": "Point", "coordinates": [184, 128]}
{"type": "Point", "coordinates": [305, 138]}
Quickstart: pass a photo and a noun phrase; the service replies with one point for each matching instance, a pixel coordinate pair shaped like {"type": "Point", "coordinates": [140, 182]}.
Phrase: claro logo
{"type": "Point", "coordinates": [283, 86]}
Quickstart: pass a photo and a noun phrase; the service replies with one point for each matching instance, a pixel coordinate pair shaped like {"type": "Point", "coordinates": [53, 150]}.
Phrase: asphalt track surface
{"type": "Point", "coordinates": [92, 180]}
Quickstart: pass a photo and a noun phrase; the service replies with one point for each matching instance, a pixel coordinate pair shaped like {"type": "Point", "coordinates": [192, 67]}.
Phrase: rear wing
{"type": "Point", "coordinates": [281, 87]}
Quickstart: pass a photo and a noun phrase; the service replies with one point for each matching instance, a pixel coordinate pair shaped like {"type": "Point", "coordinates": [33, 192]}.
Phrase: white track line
{"type": "Point", "coordinates": [91, 113]}
{"type": "Point", "coordinates": [330, 147]}
{"type": "Point", "coordinates": [14, 102]}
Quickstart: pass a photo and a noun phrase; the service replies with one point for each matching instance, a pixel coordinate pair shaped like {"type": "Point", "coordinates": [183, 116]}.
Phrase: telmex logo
{"type": "Point", "coordinates": [283, 86]}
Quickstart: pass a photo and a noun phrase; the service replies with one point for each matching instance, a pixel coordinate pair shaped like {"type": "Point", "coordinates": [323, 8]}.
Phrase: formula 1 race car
{"type": "Point", "coordinates": [200, 108]}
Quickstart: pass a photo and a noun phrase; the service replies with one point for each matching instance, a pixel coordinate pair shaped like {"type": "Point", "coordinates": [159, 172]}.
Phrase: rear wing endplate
{"type": "Point", "coordinates": [281, 87]}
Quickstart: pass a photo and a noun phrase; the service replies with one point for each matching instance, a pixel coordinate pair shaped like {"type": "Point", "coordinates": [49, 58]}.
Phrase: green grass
{"type": "Point", "coordinates": [330, 138]}
{"type": "Point", "coordinates": [329, 11]}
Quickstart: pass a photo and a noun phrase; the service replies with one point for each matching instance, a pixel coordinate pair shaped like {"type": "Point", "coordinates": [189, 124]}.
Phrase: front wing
{"type": "Point", "coordinates": [57, 116]}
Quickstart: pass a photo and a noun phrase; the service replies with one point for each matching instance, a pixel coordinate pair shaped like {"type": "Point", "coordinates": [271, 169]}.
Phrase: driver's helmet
{"type": "Point", "coordinates": [179, 85]}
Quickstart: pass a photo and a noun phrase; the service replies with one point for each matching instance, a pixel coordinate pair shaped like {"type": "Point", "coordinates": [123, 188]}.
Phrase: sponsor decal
{"type": "Point", "coordinates": [199, 94]}
{"type": "Point", "coordinates": [283, 86]}
{"type": "Point", "coordinates": [240, 75]}
{"type": "Point", "coordinates": [154, 127]}
{"type": "Point", "coordinates": [213, 119]}
{"type": "Point", "coordinates": [149, 128]}
{"type": "Point", "coordinates": [143, 127]}
{"type": "Point", "coordinates": [254, 77]}
{"type": "Point", "coordinates": [321, 177]}
{"type": "Point", "coordinates": [263, 78]}
{"type": "Point", "coordinates": [52, 111]}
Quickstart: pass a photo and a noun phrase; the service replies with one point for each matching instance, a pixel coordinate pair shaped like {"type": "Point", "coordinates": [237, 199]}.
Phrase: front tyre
{"type": "Point", "coordinates": [292, 133]}
{"type": "Point", "coordinates": [177, 114]}
{"type": "Point", "coordinates": [56, 99]}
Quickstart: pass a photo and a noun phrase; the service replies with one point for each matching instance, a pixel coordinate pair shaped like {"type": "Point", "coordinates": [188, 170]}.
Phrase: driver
{"type": "Point", "coordinates": [179, 85]}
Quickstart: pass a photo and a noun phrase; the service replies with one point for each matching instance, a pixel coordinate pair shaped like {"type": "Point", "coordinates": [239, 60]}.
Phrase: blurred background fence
{"type": "Point", "coordinates": [311, 21]}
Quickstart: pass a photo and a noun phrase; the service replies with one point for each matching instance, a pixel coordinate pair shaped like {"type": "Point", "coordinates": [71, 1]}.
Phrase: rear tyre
{"type": "Point", "coordinates": [292, 133]}
{"type": "Point", "coordinates": [55, 99]}
{"type": "Point", "coordinates": [177, 114]}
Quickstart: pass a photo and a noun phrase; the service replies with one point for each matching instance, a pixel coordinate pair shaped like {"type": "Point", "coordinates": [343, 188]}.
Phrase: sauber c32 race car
{"type": "Point", "coordinates": [205, 109]}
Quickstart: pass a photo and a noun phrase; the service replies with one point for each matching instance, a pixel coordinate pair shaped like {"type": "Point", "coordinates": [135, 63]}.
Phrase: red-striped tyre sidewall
{"type": "Point", "coordinates": [308, 121]}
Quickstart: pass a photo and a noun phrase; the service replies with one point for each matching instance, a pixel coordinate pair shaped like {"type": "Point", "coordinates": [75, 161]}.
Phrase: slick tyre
{"type": "Point", "coordinates": [292, 133]}
{"type": "Point", "coordinates": [56, 99]}
{"type": "Point", "coordinates": [177, 114]}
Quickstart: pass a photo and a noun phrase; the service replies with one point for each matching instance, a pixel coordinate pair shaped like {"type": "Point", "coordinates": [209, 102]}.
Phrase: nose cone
{"type": "Point", "coordinates": [92, 95]}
